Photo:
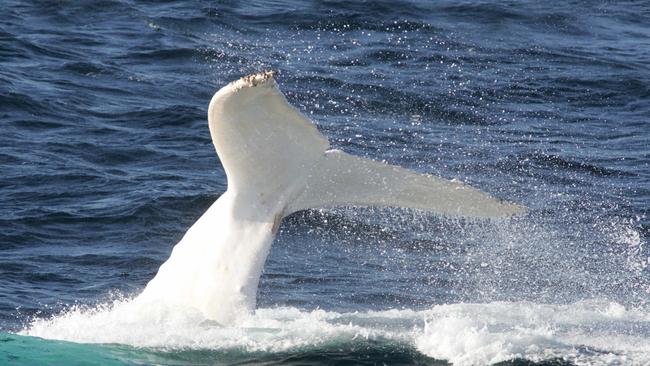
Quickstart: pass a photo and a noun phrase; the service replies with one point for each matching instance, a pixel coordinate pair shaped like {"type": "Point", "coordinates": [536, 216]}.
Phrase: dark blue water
{"type": "Point", "coordinates": [106, 160]}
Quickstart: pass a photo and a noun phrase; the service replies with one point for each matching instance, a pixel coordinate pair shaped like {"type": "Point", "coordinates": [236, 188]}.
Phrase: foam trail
{"type": "Point", "coordinates": [587, 333]}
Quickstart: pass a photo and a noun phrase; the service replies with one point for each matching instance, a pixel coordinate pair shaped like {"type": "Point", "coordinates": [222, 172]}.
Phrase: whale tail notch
{"type": "Point", "coordinates": [269, 148]}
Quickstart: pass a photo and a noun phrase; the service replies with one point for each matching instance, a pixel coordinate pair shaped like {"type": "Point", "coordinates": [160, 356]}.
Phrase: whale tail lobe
{"type": "Point", "coordinates": [268, 148]}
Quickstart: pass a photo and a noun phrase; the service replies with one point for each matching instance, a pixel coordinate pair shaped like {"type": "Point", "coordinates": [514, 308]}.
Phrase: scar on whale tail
{"type": "Point", "coordinates": [277, 163]}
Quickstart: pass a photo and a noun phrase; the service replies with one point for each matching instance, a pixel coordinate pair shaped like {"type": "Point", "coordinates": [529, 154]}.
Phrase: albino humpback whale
{"type": "Point", "coordinates": [277, 163]}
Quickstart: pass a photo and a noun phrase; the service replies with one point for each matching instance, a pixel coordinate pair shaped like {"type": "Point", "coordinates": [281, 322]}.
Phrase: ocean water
{"type": "Point", "coordinates": [106, 160]}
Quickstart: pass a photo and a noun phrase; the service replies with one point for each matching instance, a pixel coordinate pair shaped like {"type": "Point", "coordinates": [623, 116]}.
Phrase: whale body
{"type": "Point", "coordinates": [278, 163]}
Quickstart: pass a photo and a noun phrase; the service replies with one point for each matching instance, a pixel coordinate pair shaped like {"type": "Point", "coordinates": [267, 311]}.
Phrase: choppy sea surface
{"type": "Point", "coordinates": [106, 160]}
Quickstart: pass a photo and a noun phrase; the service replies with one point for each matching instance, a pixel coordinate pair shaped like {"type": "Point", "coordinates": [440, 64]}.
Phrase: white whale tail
{"type": "Point", "coordinates": [277, 163]}
{"type": "Point", "coordinates": [269, 147]}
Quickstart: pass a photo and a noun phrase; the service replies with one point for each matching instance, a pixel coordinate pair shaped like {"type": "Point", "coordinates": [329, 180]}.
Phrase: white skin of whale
{"type": "Point", "coordinates": [277, 163]}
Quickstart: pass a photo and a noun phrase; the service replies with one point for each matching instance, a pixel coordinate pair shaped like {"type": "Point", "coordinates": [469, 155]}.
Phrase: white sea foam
{"type": "Point", "coordinates": [587, 332]}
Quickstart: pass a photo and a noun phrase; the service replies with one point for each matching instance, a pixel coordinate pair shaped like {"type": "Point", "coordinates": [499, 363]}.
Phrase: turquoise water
{"type": "Point", "coordinates": [27, 351]}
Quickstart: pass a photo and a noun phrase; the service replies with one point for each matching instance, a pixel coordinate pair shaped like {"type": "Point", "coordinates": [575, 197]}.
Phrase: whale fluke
{"type": "Point", "coordinates": [277, 163]}
{"type": "Point", "coordinates": [266, 145]}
